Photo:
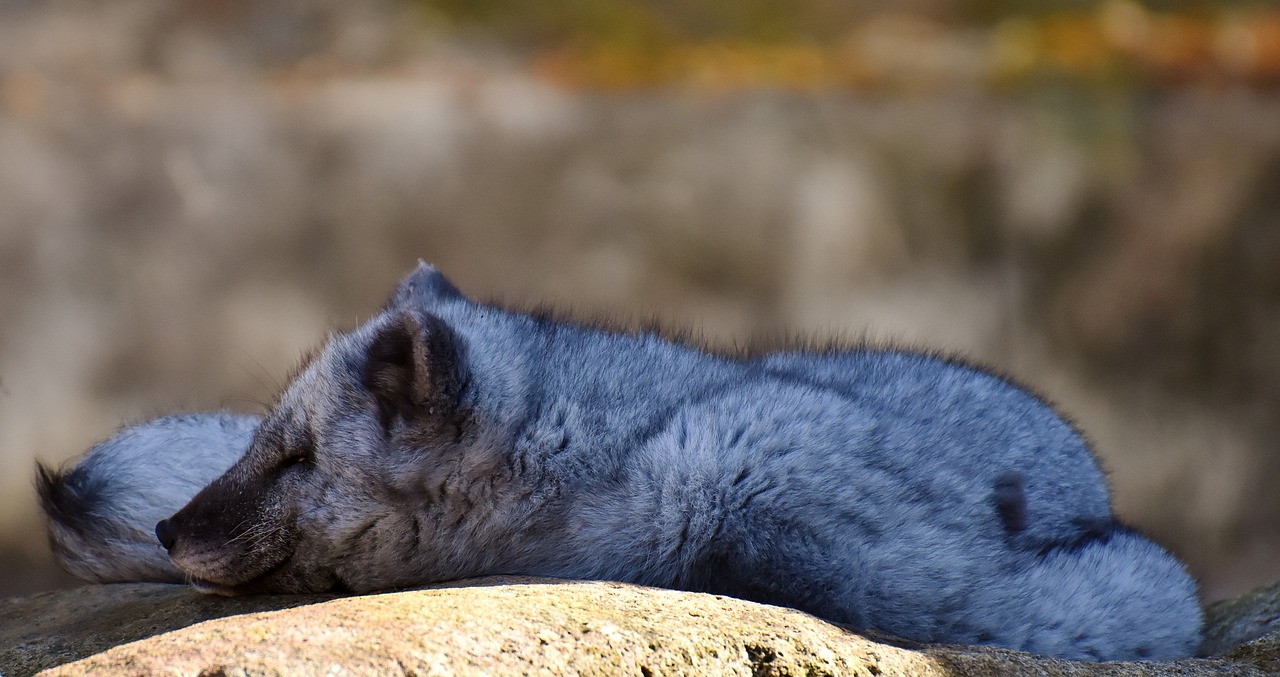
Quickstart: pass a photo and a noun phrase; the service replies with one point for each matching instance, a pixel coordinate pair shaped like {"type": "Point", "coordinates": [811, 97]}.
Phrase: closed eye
{"type": "Point", "coordinates": [299, 456]}
{"type": "Point", "coordinates": [301, 452]}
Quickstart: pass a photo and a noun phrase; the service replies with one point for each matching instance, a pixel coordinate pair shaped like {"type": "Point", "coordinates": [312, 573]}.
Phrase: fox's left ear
{"type": "Point", "coordinates": [422, 288]}
{"type": "Point", "coordinates": [414, 368]}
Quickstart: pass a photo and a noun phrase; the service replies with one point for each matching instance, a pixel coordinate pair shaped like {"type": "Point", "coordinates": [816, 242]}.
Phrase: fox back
{"type": "Point", "coordinates": [883, 489]}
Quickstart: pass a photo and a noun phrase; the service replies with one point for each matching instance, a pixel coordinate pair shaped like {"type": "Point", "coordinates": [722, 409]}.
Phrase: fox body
{"type": "Point", "coordinates": [102, 512]}
{"type": "Point", "coordinates": [881, 489]}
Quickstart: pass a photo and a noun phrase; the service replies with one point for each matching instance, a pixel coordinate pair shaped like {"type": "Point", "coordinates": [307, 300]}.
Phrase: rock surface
{"type": "Point", "coordinates": [1233, 622]}
{"type": "Point", "coordinates": [522, 626]}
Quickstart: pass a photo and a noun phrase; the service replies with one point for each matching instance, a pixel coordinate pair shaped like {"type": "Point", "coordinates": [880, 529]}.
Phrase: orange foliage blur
{"type": "Point", "coordinates": [1119, 42]}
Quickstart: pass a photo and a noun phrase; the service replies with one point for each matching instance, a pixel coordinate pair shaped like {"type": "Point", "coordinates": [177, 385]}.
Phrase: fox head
{"type": "Point", "coordinates": [359, 476]}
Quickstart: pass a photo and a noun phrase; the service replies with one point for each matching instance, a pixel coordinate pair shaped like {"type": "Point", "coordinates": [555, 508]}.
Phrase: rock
{"type": "Point", "coordinates": [502, 626]}
{"type": "Point", "coordinates": [1233, 622]}
{"type": "Point", "coordinates": [49, 629]}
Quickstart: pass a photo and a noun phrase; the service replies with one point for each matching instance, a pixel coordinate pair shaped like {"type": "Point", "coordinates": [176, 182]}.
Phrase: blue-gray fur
{"type": "Point", "coordinates": [101, 513]}
{"type": "Point", "coordinates": [887, 490]}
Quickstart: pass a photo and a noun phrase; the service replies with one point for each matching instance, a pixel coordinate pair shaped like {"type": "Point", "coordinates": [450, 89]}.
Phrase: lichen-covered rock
{"type": "Point", "coordinates": [1233, 622]}
{"type": "Point", "coordinates": [495, 626]}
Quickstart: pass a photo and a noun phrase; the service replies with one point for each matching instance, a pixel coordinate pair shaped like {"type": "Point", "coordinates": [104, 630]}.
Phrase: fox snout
{"type": "Point", "coordinates": [164, 534]}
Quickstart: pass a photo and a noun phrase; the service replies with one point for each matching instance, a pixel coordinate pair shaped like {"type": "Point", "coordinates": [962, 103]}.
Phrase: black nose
{"type": "Point", "coordinates": [165, 534]}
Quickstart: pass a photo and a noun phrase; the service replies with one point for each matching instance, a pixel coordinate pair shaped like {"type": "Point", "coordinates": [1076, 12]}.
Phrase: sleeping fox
{"type": "Point", "coordinates": [445, 438]}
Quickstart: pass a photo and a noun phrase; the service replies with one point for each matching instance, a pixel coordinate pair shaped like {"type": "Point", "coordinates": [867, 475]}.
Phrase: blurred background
{"type": "Point", "coordinates": [1084, 195]}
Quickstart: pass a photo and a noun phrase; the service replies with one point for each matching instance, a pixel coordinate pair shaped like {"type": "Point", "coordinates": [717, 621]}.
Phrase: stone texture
{"type": "Point", "coordinates": [1233, 622]}
{"type": "Point", "coordinates": [53, 628]}
{"type": "Point", "coordinates": [503, 626]}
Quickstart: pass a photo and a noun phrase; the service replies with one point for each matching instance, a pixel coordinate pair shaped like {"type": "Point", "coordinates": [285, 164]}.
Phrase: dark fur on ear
{"type": "Point", "coordinates": [423, 287]}
{"type": "Point", "coordinates": [414, 368]}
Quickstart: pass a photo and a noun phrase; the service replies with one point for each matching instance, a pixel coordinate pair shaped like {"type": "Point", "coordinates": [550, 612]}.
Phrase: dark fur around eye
{"type": "Point", "coordinates": [298, 457]}
{"type": "Point", "coordinates": [300, 451]}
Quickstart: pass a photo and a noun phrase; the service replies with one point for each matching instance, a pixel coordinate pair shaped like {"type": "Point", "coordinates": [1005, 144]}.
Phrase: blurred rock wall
{"type": "Point", "coordinates": [192, 194]}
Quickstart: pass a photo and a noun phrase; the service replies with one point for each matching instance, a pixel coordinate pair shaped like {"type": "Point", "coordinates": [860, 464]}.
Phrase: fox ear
{"type": "Point", "coordinates": [414, 368]}
{"type": "Point", "coordinates": [423, 287]}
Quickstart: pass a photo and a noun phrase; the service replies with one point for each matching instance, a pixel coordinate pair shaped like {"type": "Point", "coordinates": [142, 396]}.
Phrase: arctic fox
{"type": "Point", "coordinates": [101, 513]}
{"type": "Point", "coordinates": [881, 489]}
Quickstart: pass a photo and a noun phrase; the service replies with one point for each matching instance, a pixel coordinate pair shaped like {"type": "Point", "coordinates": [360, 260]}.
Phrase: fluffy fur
{"type": "Point", "coordinates": [882, 489]}
{"type": "Point", "coordinates": [101, 513]}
